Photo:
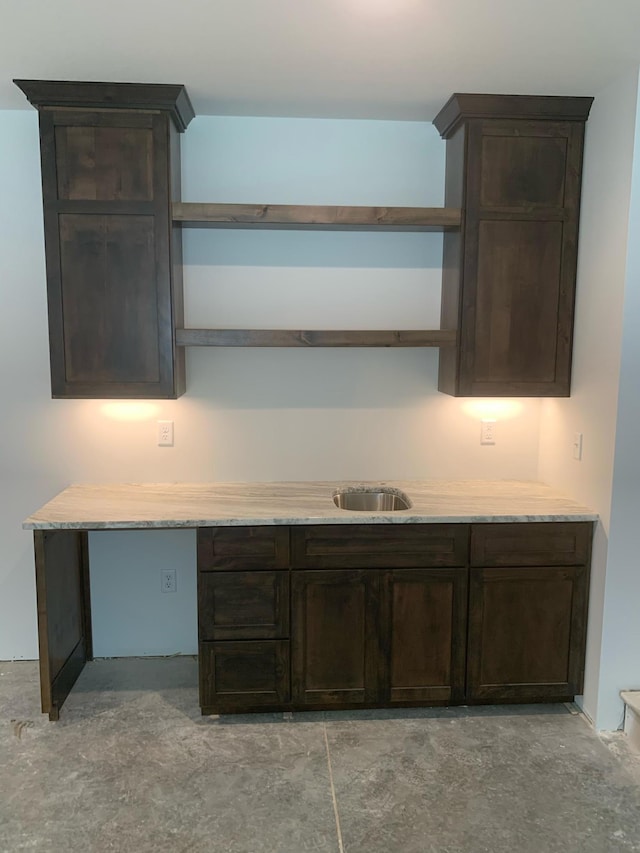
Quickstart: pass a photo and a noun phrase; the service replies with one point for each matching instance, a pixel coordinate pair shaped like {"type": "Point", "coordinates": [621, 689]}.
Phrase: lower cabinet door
{"type": "Point", "coordinates": [424, 634]}
{"type": "Point", "coordinates": [526, 633]}
{"type": "Point", "coordinates": [244, 675]}
{"type": "Point", "coordinates": [335, 637]}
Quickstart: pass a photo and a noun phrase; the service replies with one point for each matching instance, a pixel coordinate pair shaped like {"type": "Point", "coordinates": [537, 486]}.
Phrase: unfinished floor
{"type": "Point", "coordinates": [132, 766]}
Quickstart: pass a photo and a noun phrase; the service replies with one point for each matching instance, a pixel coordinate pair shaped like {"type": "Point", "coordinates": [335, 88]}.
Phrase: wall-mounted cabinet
{"type": "Point", "coordinates": [514, 166]}
{"type": "Point", "coordinates": [113, 220]}
{"type": "Point", "coordinates": [110, 159]}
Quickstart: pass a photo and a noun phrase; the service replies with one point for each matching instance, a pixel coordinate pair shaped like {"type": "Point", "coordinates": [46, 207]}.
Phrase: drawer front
{"type": "Point", "coordinates": [243, 605]}
{"type": "Point", "coordinates": [537, 544]}
{"type": "Point", "coordinates": [240, 548]}
{"type": "Point", "coordinates": [366, 546]}
{"type": "Point", "coordinates": [238, 676]}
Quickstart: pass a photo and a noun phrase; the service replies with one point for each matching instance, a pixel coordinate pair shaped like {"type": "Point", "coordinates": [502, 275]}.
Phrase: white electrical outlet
{"type": "Point", "coordinates": [487, 432]}
{"type": "Point", "coordinates": [165, 433]}
{"type": "Point", "coordinates": [577, 446]}
{"type": "Point", "coordinates": [168, 580]}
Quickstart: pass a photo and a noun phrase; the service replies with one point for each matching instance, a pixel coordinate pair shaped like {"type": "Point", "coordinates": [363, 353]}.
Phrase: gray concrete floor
{"type": "Point", "coordinates": [132, 766]}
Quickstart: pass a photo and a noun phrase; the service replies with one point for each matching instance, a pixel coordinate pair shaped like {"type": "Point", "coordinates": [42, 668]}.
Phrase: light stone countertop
{"type": "Point", "coordinates": [164, 505]}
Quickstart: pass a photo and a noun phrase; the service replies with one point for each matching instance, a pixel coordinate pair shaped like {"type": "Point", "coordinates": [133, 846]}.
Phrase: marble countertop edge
{"type": "Point", "coordinates": [118, 506]}
{"type": "Point", "coordinates": [361, 518]}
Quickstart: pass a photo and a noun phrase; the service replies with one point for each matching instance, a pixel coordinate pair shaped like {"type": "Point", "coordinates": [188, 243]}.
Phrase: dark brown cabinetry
{"type": "Point", "coordinates": [527, 611]}
{"type": "Point", "coordinates": [379, 614]}
{"type": "Point", "coordinates": [391, 614]}
{"type": "Point", "coordinates": [367, 636]}
{"type": "Point", "coordinates": [336, 650]}
{"type": "Point", "coordinates": [514, 167]}
{"type": "Point", "coordinates": [113, 219]}
{"type": "Point", "coordinates": [110, 172]}
{"type": "Point", "coordinates": [243, 618]}
{"type": "Point", "coordinates": [423, 629]}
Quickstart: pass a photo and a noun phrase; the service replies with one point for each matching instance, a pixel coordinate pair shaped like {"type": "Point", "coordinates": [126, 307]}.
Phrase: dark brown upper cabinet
{"type": "Point", "coordinates": [110, 157]}
{"type": "Point", "coordinates": [514, 167]}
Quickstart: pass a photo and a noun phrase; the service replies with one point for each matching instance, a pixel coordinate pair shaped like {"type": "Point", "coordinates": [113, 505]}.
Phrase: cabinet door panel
{"type": "Point", "coordinates": [335, 637]}
{"type": "Point", "coordinates": [242, 676]}
{"type": "Point", "coordinates": [526, 633]}
{"type": "Point", "coordinates": [522, 169]}
{"type": "Point", "coordinates": [108, 277]}
{"type": "Point", "coordinates": [424, 626]}
{"type": "Point", "coordinates": [518, 299]}
{"type": "Point", "coordinates": [104, 163]}
{"type": "Point", "coordinates": [243, 605]}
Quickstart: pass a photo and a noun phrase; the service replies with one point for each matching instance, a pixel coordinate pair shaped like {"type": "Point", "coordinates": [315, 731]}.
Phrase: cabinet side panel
{"type": "Point", "coordinates": [175, 182]}
{"type": "Point", "coordinates": [452, 261]}
{"type": "Point", "coordinates": [63, 613]}
{"type": "Point", "coordinates": [109, 296]}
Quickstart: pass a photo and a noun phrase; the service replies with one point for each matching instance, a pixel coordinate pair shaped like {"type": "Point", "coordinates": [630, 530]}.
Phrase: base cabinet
{"type": "Point", "coordinates": [527, 611]}
{"type": "Point", "coordinates": [319, 617]}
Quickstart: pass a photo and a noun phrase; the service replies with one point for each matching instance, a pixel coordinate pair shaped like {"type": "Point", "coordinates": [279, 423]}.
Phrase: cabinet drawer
{"type": "Point", "coordinates": [537, 544]}
{"type": "Point", "coordinates": [365, 546]}
{"type": "Point", "coordinates": [239, 548]}
{"type": "Point", "coordinates": [243, 605]}
{"type": "Point", "coordinates": [239, 676]}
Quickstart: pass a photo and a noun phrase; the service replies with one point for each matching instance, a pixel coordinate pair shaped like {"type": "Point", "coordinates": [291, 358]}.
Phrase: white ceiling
{"type": "Point", "coordinates": [385, 59]}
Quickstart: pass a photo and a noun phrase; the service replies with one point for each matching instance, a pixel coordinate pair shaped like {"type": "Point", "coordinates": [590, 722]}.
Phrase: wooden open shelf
{"type": "Point", "coordinates": [289, 216]}
{"type": "Point", "coordinates": [286, 216]}
{"type": "Point", "coordinates": [293, 338]}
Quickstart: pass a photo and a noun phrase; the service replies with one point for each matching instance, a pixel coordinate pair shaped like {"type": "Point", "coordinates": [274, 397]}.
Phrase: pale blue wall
{"type": "Point", "coordinates": [620, 654]}
{"type": "Point", "coordinates": [248, 414]}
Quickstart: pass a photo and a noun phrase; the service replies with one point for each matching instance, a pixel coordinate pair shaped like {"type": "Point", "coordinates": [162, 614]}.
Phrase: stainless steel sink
{"type": "Point", "coordinates": [376, 499]}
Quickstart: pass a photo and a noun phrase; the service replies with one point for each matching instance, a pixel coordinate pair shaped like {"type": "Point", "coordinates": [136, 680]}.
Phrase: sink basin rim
{"type": "Point", "coordinates": [371, 498]}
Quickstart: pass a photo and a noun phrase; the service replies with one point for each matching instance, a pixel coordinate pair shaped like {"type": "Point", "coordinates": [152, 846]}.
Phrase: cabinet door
{"type": "Point", "coordinates": [113, 296]}
{"type": "Point", "coordinates": [424, 634]}
{"type": "Point", "coordinates": [335, 637]}
{"type": "Point", "coordinates": [523, 191]}
{"type": "Point", "coordinates": [526, 633]}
